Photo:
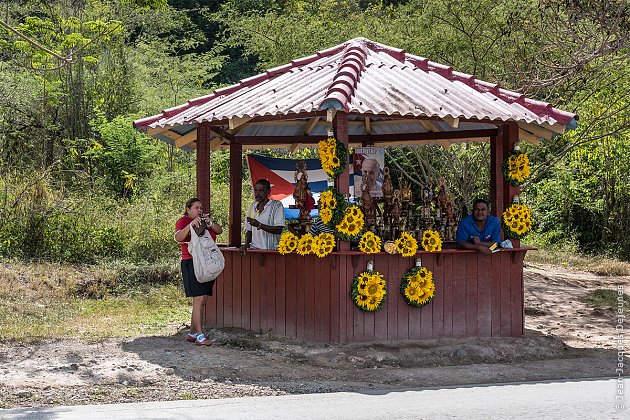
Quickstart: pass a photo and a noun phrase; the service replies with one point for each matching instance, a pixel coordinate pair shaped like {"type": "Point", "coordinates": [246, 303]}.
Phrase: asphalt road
{"type": "Point", "coordinates": [584, 399]}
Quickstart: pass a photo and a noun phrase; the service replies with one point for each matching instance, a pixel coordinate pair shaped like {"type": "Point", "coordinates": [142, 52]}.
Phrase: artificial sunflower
{"type": "Point", "coordinates": [334, 156]}
{"type": "Point", "coordinates": [305, 244]}
{"type": "Point", "coordinates": [288, 243]}
{"type": "Point", "coordinates": [406, 245]}
{"type": "Point", "coordinates": [368, 291]}
{"type": "Point", "coordinates": [351, 224]}
{"type": "Point", "coordinates": [516, 169]}
{"type": "Point", "coordinates": [431, 241]}
{"type": "Point", "coordinates": [417, 287]}
{"type": "Point", "coordinates": [323, 244]}
{"type": "Point", "coordinates": [517, 220]}
{"type": "Point", "coordinates": [370, 243]}
{"type": "Point", "coordinates": [331, 207]}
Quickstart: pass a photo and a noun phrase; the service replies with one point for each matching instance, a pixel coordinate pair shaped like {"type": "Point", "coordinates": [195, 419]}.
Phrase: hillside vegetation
{"type": "Point", "coordinates": [79, 185]}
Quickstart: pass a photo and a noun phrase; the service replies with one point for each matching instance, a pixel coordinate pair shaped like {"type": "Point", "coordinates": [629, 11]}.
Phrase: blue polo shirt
{"type": "Point", "coordinates": [467, 230]}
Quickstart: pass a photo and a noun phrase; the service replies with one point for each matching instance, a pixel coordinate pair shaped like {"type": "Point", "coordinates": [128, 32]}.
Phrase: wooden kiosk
{"type": "Point", "coordinates": [370, 94]}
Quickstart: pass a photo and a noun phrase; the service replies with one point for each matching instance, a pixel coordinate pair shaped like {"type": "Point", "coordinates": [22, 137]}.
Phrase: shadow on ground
{"type": "Point", "coordinates": [245, 357]}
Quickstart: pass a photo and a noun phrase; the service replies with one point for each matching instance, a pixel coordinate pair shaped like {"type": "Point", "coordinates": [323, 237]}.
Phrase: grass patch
{"type": "Point", "coordinates": [49, 301]}
{"type": "Point", "coordinates": [600, 265]}
{"type": "Point", "coordinates": [605, 299]}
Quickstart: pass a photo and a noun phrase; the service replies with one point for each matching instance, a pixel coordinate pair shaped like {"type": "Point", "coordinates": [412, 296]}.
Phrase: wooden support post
{"type": "Point", "coordinates": [236, 188]}
{"type": "Point", "coordinates": [340, 127]}
{"type": "Point", "coordinates": [204, 135]}
{"type": "Point", "coordinates": [502, 191]}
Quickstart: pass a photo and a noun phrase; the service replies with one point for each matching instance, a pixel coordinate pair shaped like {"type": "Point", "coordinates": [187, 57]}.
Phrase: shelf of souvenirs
{"type": "Point", "coordinates": [448, 247]}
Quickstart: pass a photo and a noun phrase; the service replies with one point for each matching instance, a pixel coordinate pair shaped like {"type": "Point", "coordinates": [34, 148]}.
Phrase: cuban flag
{"type": "Point", "coordinates": [280, 174]}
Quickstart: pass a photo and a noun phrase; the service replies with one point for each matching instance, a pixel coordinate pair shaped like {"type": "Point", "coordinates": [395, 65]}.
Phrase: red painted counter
{"type": "Point", "coordinates": [308, 297]}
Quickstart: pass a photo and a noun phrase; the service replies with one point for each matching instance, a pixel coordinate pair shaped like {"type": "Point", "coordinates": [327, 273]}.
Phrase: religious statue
{"type": "Point", "coordinates": [387, 188]}
{"type": "Point", "coordinates": [300, 194]}
{"type": "Point", "coordinates": [367, 205]}
{"type": "Point", "coordinates": [396, 209]}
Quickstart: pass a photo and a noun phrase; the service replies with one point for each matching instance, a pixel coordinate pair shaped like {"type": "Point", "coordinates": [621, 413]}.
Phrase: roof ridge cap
{"type": "Point", "coordinates": [345, 81]}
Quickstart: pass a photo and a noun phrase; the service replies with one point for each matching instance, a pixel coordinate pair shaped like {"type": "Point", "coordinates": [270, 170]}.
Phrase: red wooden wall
{"type": "Point", "coordinates": [309, 298]}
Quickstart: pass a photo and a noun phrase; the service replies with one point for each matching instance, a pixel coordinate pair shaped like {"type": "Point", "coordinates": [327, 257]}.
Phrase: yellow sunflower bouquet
{"type": "Point", "coordinates": [334, 156]}
{"type": "Point", "coordinates": [323, 244]}
{"type": "Point", "coordinates": [352, 223]}
{"type": "Point", "coordinates": [370, 243]}
{"type": "Point", "coordinates": [517, 220]}
{"type": "Point", "coordinates": [431, 241]}
{"type": "Point", "coordinates": [369, 289]}
{"type": "Point", "coordinates": [288, 243]}
{"type": "Point", "coordinates": [406, 245]}
{"type": "Point", "coordinates": [417, 287]}
{"type": "Point", "coordinates": [516, 169]}
{"type": "Point", "coordinates": [331, 206]}
{"type": "Point", "coordinates": [305, 245]}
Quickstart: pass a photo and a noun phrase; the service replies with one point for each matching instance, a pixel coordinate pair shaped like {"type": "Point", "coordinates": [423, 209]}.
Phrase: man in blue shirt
{"type": "Point", "coordinates": [480, 230]}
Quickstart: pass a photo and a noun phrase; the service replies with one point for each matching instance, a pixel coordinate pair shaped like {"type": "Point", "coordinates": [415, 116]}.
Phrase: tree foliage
{"type": "Point", "coordinates": [74, 74]}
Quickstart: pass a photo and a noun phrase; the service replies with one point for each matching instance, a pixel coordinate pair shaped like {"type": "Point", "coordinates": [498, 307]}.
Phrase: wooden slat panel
{"type": "Point", "coordinates": [322, 300]}
{"type": "Point", "coordinates": [237, 295]}
{"type": "Point", "coordinates": [211, 305]}
{"type": "Point", "coordinates": [226, 295]}
{"type": "Point", "coordinates": [309, 297]}
{"type": "Point", "coordinates": [270, 291]}
{"type": "Point", "coordinates": [358, 317]}
{"type": "Point", "coordinates": [381, 264]}
{"type": "Point", "coordinates": [300, 287]}
{"type": "Point", "coordinates": [477, 306]}
{"type": "Point", "coordinates": [458, 291]}
{"type": "Point", "coordinates": [345, 302]}
{"type": "Point", "coordinates": [498, 272]}
{"type": "Point", "coordinates": [335, 307]}
{"type": "Point", "coordinates": [280, 295]}
{"type": "Point", "coordinates": [426, 321]}
{"type": "Point", "coordinates": [517, 299]}
{"type": "Point", "coordinates": [486, 293]}
{"type": "Point", "coordinates": [220, 295]}
{"type": "Point", "coordinates": [505, 327]}
{"type": "Point", "coordinates": [403, 309]}
{"type": "Point", "coordinates": [393, 301]}
{"type": "Point", "coordinates": [351, 309]}
{"type": "Point", "coordinates": [437, 306]}
{"type": "Point", "coordinates": [290, 292]}
{"type": "Point", "coordinates": [246, 298]}
{"type": "Point", "coordinates": [256, 278]}
{"type": "Point", "coordinates": [447, 295]}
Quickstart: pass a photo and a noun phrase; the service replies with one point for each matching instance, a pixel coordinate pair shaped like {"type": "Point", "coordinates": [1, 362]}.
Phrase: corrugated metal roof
{"type": "Point", "coordinates": [363, 77]}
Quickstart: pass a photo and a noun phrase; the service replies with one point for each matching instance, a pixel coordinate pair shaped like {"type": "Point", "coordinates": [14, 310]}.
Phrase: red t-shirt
{"type": "Point", "coordinates": [181, 224]}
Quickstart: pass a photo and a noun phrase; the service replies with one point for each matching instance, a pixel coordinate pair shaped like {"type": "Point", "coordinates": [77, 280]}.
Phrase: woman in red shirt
{"type": "Point", "coordinates": [198, 291]}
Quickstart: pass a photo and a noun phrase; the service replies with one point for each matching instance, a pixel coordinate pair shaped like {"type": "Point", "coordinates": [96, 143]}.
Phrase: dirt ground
{"type": "Point", "coordinates": [564, 339]}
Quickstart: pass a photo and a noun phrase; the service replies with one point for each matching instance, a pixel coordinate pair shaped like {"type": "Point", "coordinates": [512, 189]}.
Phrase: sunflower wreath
{"type": "Point", "coordinates": [331, 206]}
{"type": "Point", "coordinates": [288, 243]}
{"type": "Point", "coordinates": [516, 168]}
{"type": "Point", "coordinates": [406, 245]}
{"type": "Point", "coordinates": [323, 244]}
{"type": "Point", "coordinates": [368, 291]}
{"type": "Point", "coordinates": [417, 287]}
{"type": "Point", "coordinates": [334, 156]}
{"type": "Point", "coordinates": [305, 245]}
{"type": "Point", "coordinates": [517, 220]}
{"type": "Point", "coordinates": [431, 241]}
{"type": "Point", "coordinates": [351, 225]}
{"type": "Point", "coordinates": [370, 243]}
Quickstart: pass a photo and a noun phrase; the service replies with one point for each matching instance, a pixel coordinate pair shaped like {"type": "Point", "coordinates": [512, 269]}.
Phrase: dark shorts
{"type": "Point", "coordinates": [191, 286]}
